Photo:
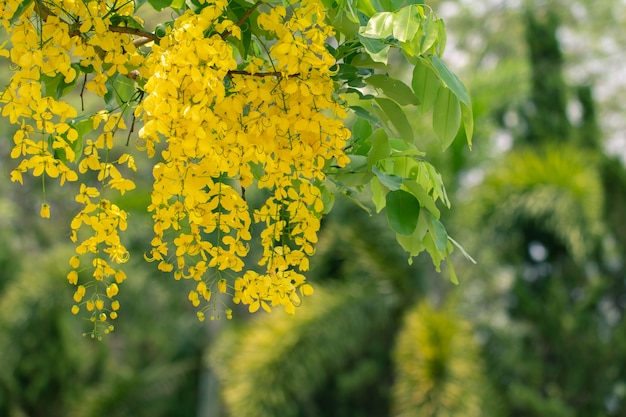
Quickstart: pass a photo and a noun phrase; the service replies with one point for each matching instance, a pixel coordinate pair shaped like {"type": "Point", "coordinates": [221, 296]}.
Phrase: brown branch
{"type": "Point", "coordinates": [132, 129]}
{"type": "Point", "coordinates": [262, 74]}
{"type": "Point", "coordinates": [134, 31]}
{"type": "Point", "coordinates": [146, 37]}
{"type": "Point", "coordinates": [82, 92]}
{"type": "Point", "coordinates": [144, 41]}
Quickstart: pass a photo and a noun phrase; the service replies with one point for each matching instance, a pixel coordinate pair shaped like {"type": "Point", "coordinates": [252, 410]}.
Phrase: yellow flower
{"type": "Point", "coordinates": [45, 211]}
{"type": "Point", "coordinates": [80, 293]}
{"type": "Point", "coordinates": [218, 130]}
{"type": "Point", "coordinates": [72, 277]}
{"type": "Point", "coordinates": [112, 290]}
{"type": "Point", "coordinates": [74, 262]}
{"type": "Point", "coordinates": [307, 289]}
{"type": "Point", "coordinates": [221, 285]}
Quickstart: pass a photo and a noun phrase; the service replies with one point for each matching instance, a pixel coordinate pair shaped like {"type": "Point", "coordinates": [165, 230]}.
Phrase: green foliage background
{"type": "Point", "coordinates": [536, 328]}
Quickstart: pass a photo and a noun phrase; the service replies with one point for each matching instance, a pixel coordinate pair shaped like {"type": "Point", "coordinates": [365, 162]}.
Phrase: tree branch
{"type": "Point", "coordinates": [151, 37]}
{"type": "Point", "coordinates": [263, 74]}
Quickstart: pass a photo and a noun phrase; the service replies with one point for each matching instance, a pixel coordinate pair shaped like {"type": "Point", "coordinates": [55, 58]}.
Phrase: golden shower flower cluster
{"type": "Point", "coordinates": [219, 122]}
{"type": "Point", "coordinates": [241, 108]}
{"type": "Point", "coordinates": [51, 44]}
{"type": "Point", "coordinates": [95, 229]}
{"type": "Point", "coordinates": [221, 126]}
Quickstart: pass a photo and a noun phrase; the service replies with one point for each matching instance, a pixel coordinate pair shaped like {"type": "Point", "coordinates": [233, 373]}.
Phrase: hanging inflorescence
{"type": "Point", "coordinates": [273, 123]}
{"type": "Point", "coordinates": [214, 122]}
{"type": "Point", "coordinates": [241, 110]}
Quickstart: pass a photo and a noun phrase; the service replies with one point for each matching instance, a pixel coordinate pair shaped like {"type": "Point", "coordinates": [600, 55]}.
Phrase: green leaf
{"type": "Point", "coordinates": [436, 182]}
{"type": "Point", "coordinates": [361, 129]}
{"type": "Point", "coordinates": [56, 86]}
{"type": "Point", "coordinates": [397, 118]}
{"type": "Point", "coordinates": [365, 6]}
{"type": "Point", "coordinates": [406, 167]}
{"type": "Point", "coordinates": [426, 86]}
{"type": "Point", "coordinates": [446, 117]}
{"type": "Point", "coordinates": [468, 122]}
{"type": "Point", "coordinates": [357, 163]}
{"type": "Point", "coordinates": [452, 272]}
{"type": "Point", "coordinates": [383, 5]}
{"type": "Point", "coordinates": [347, 72]}
{"type": "Point", "coordinates": [394, 89]}
{"type": "Point", "coordinates": [406, 23]}
{"type": "Point", "coordinates": [397, 4]}
{"type": "Point", "coordinates": [24, 5]}
{"type": "Point", "coordinates": [435, 254]}
{"type": "Point", "coordinates": [402, 148]}
{"type": "Point", "coordinates": [120, 90]}
{"type": "Point", "coordinates": [423, 197]}
{"type": "Point", "coordinates": [51, 84]}
{"type": "Point", "coordinates": [378, 194]}
{"type": "Point", "coordinates": [328, 198]}
{"type": "Point", "coordinates": [403, 211]}
{"type": "Point", "coordinates": [380, 26]}
{"type": "Point", "coordinates": [177, 4]}
{"type": "Point", "coordinates": [413, 243]}
{"type": "Point", "coordinates": [438, 232]}
{"type": "Point", "coordinates": [353, 179]}
{"type": "Point", "coordinates": [429, 35]}
{"type": "Point", "coordinates": [442, 38]}
{"type": "Point", "coordinates": [256, 168]}
{"type": "Point", "coordinates": [82, 126]}
{"type": "Point", "coordinates": [393, 182]}
{"type": "Point", "coordinates": [380, 147]}
{"type": "Point", "coordinates": [159, 5]}
{"type": "Point", "coordinates": [376, 49]}
{"type": "Point", "coordinates": [239, 8]}
{"type": "Point", "coordinates": [450, 79]}
{"type": "Point", "coordinates": [161, 29]}
{"type": "Point", "coordinates": [347, 12]}
{"type": "Point", "coordinates": [125, 21]}
{"type": "Point", "coordinates": [363, 113]}
{"type": "Point", "coordinates": [440, 235]}
{"type": "Point", "coordinates": [366, 61]}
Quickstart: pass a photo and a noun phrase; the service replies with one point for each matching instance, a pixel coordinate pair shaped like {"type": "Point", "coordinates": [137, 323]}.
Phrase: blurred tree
{"type": "Point", "coordinates": [438, 370]}
{"type": "Point", "coordinates": [552, 213]}
{"type": "Point", "coordinates": [50, 369]}
{"type": "Point", "coordinates": [45, 363]}
{"type": "Point", "coordinates": [336, 357]}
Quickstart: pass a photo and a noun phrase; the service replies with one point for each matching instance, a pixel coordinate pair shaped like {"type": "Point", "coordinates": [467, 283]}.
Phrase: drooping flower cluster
{"type": "Point", "coordinates": [51, 44]}
{"type": "Point", "coordinates": [272, 122]}
{"type": "Point", "coordinates": [219, 121]}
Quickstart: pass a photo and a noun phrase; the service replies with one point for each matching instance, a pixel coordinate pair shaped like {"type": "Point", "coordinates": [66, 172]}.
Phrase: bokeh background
{"type": "Point", "coordinates": [535, 328]}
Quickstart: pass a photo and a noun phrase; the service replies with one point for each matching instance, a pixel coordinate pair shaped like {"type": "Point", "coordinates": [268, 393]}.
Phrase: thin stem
{"type": "Point", "coordinates": [82, 92]}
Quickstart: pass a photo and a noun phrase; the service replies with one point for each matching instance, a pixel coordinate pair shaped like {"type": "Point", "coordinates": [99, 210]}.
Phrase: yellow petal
{"type": "Point", "coordinates": [45, 211]}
